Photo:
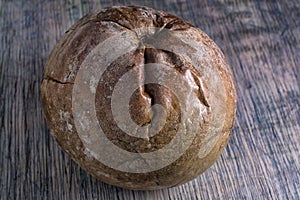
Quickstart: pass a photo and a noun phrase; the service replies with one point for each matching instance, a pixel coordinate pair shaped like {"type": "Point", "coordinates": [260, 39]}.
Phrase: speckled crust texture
{"type": "Point", "coordinates": [59, 77]}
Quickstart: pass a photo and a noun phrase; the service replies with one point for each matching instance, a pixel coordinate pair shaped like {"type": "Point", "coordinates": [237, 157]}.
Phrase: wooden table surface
{"type": "Point", "coordinates": [260, 40]}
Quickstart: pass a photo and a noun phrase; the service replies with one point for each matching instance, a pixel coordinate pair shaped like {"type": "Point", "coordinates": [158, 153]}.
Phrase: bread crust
{"type": "Point", "coordinates": [70, 52]}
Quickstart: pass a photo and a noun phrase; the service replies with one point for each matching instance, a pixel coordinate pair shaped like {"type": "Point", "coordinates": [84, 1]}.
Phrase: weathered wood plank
{"type": "Point", "coordinates": [261, 42]}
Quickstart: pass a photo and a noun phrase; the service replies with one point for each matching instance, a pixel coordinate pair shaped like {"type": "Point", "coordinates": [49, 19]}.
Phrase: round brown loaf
{"type": "Point", "coordinates": [205, 111]}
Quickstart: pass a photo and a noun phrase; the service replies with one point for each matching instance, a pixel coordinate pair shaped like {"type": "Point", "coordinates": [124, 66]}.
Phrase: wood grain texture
{"type": "Point", "coordinates": [260, 40]}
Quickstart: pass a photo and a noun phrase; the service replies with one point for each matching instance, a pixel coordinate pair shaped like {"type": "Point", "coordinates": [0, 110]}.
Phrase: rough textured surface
{"type": "Point", "coordinates": [208, 87]}
{"type": "Point", "coordinates": [261, 41]}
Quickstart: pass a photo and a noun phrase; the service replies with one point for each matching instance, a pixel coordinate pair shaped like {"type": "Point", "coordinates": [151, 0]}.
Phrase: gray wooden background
{"type": "Point", "coordinates": [260, 40]}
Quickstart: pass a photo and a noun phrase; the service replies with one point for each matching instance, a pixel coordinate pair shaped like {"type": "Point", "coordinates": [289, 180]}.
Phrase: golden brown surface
{"type": "Point", "coordinates": [72, 49]}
